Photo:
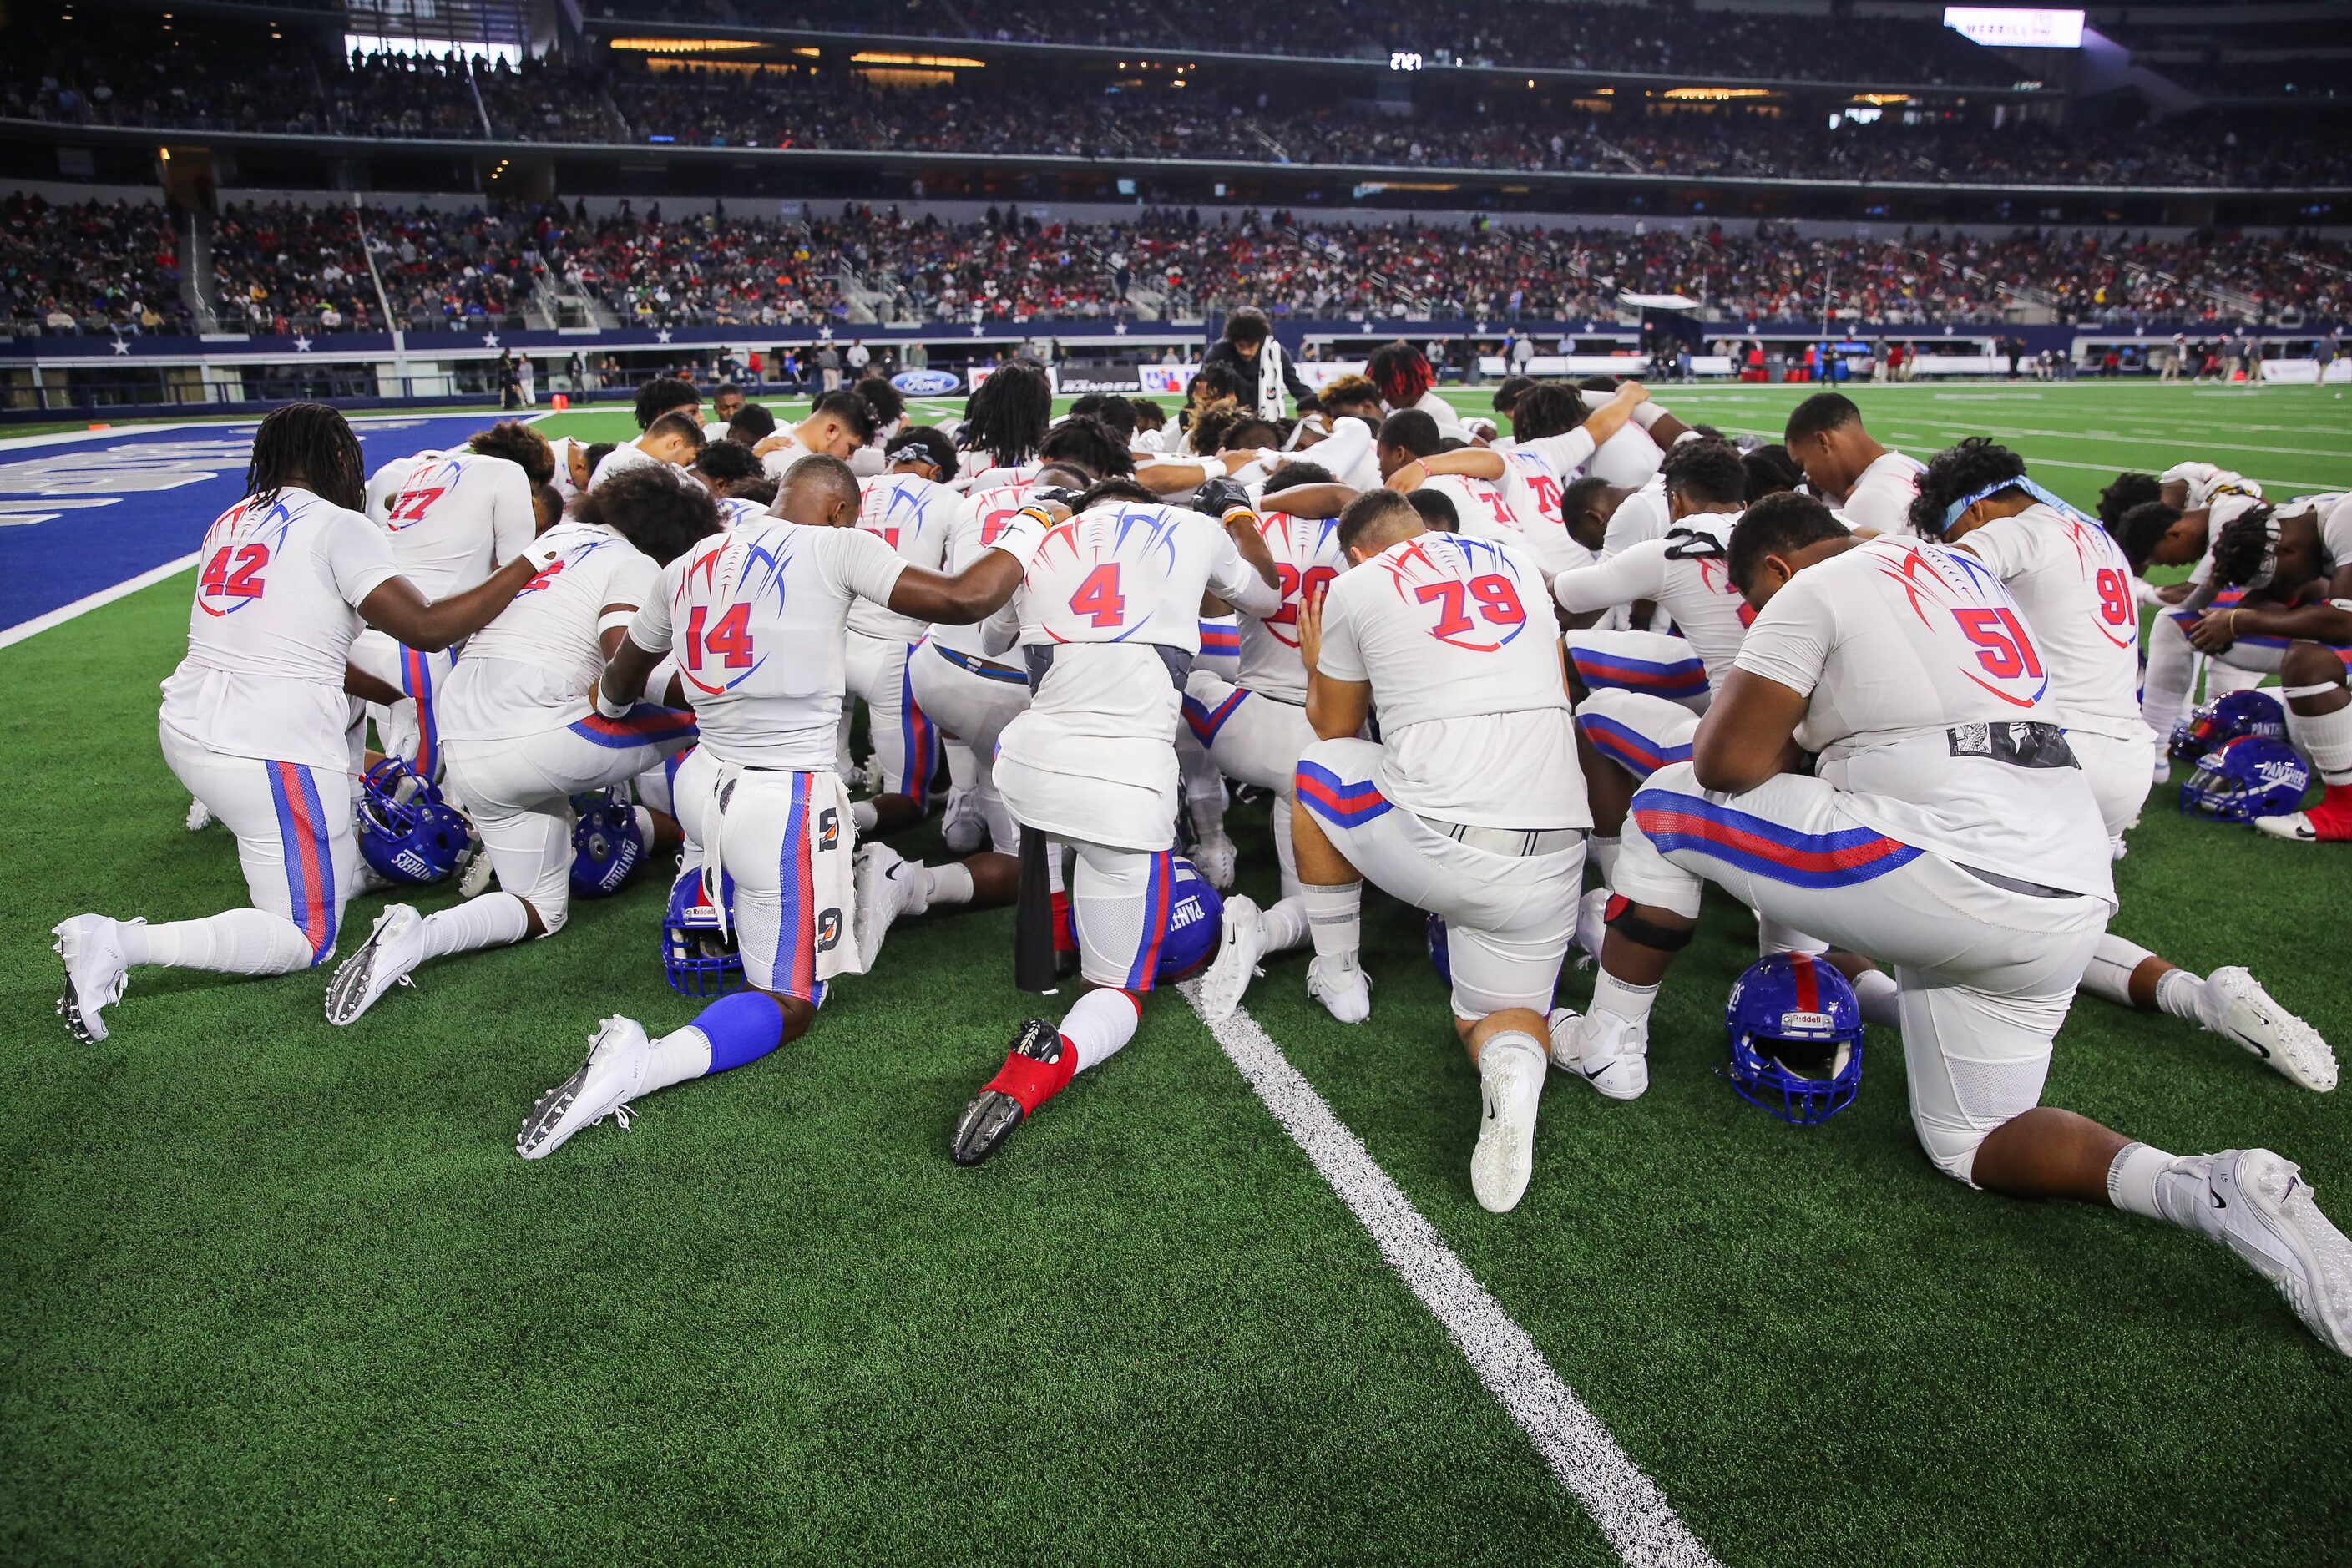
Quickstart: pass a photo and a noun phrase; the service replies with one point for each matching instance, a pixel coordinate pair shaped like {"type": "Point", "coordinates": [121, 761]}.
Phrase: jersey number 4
{"type": "Point", "coordinates": [727, 639]}
{"type": "Point", "coordinates": [238, 578]}
{"type": "Point", "coordinates": [1097, 597]}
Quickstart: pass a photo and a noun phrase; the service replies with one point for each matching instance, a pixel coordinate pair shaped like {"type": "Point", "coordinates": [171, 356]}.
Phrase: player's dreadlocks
{"type": "Point", "coordinates": [659, 514]}
{"type": "Point", "coordinates": [1954, 472]}
{"type": "Point", "coordinates": [1006, 417]}
{"type": "Point", "coordinates": [1771, 472]}
{"type": "Point", "coordinates": [1545, 410]}
{"type": "Point", "coordinates": [309, 445]}
{"type": "Point", "coordinates": [1402, 373]}
{"type": "Point", "coordinates": [2243, 546]}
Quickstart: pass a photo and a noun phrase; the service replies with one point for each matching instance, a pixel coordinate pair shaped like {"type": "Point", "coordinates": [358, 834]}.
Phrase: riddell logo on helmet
{"type": "Point", "coordinates": [1794, 1022]}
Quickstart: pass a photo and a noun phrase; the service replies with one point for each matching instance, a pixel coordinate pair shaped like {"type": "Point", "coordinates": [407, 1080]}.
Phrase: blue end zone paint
{"type": "Point", "coordinates": [80, 513]}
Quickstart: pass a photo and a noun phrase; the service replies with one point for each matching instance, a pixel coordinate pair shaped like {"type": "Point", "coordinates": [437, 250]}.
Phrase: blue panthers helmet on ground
{"type": "Point", "coordinates": [2226, 718]}
{"type": "Point", "coordinates": [698, 958]}
{"type": "Point", "coordinates": [407, 833]}
{"type": "Point", "coordinates": [1196, 923]}
{"type": "Point", "coordinates": [1796, 1038]}
{"type": "Point", "coordinates": [607, 845]}
{"type": "Point", "coordinates": [2250, 776]}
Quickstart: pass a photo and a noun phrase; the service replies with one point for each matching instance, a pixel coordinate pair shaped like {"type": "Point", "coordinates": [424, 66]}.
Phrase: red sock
{"type": "Point", "coordinates": [2332, 818]}
{"type": "Point", "coordinates": [1066, 934]}
{"type": "Point", "coordinates": [1031, 1083]}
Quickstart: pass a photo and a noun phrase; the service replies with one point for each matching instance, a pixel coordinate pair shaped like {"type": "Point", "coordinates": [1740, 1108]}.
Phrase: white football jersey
{"type": "Point", "coordinates": [1105, 591]}
{"type": "Point", "coordinates": [1684, 574]}
{"type": "Point", "coordinates": [1455, 635]}
{"type": "Point", "coordinates": [912, 516]}
{"type": "Point", "coordinates": [1306, 561]}
{"type": "Point", "coordinates": [277, 607]}
{"type": "Point", "coordinates": [1913, 656]}
{"type": "Point", "coordinates": [2207, 483]}
{"type": "Point", "coordinates": [757, 617]}
{"type": "Point", "coordinates": [2075, 587]}
{"type": "Point", "coordinates": [1349, 454]}
{"type": "Point", "coordinates": [979, 517]}
{"type": "Point", "coordinates": [562, 446]}
{"type": "Point", "coordinates": [454, 517]}
{"type": "Point", "coordinates": [1628, 457]}
{"type": "Point", "coordinates": [1640, 516]}
{"type": "Point", "coordinates": [1881, 499]}
{"type": "Point", "coordinates": [1533, 489]}
{"type": "Point", "coordinates": [529, 669]}
{"type": "Point", "coordinates": [1565, 454]}
{"type": "Point", "coordinates": [734, 511]}
{"type": "Point", "coordinates": [386, 481]}
{"type": "Point", "coordinates": [1478, 505]}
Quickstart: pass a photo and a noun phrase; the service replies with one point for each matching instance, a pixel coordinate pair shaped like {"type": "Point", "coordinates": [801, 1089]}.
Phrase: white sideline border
{"type": "Point", "coordinates": [1627, 1505]}
{"type": "Point", "coordinates": [12, 635]}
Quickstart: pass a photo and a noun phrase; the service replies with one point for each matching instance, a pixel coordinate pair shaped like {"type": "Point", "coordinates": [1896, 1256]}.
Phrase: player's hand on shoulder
{"type": "Point", "coordinates": [1218, 498]}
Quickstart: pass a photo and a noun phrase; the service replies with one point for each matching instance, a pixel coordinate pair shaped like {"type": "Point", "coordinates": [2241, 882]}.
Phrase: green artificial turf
{"type": "Point", "coordinates": [274, 1291]}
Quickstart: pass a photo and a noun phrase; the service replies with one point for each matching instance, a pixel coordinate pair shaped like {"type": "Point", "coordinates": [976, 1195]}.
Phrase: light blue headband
{"type": "Point", "coordinates": [1953, 512]}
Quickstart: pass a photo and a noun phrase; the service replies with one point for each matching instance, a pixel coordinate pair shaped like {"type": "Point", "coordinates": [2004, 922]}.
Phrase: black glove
{"type": "Point", "coordinates": [1060, 494]}
{"type": "Point", "coordinates": [1218, 496]}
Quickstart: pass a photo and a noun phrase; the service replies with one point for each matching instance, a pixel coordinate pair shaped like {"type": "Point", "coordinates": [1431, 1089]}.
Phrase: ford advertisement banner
{"type": "Point", "coordinates": [926, 382]}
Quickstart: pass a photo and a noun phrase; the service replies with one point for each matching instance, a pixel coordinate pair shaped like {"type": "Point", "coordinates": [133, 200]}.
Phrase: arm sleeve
{"type": "Point", "coordinates": [1342, 654]}
{"type": "Point", "coordinates": [1237, 581]}
{"type": "Point", "coordinates": [1790, 641]}
{"type": "Point", "coordinates": [1638, 572]}
{"type": "Point", "coordinates": [359, 558]}
{"type": "Point", "coordinates": [651, 631]}
{"type": "Point", "coordinates": [514, 523]}
{"type": "Point", "coordinates": [1565, 452]}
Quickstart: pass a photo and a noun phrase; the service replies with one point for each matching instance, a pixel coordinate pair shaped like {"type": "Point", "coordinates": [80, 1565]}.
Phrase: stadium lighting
{"type": "Point", "coordinates": [934, 62]}
{"type": "Point", "coordinates": [1715, 94]}
{"type": "Point", "coordinates": [690, 45]}
{"type": "Point", "coordinates": [2002, 26]}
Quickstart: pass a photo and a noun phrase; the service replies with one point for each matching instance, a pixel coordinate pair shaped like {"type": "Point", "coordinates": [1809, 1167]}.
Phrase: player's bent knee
{"type": "Point", "coordinates": [550, 915]}
{"type": "Point", "coordinates": [1952, 1148]}
{"type": "Point", "coordinates": [2310, 664]}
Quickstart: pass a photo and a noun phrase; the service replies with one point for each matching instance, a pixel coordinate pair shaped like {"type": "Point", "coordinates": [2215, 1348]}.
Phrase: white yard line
{"type": "Point", "coordinates": [1625, 1503]}
{"type": "Point", "coordinates": [89, 602]}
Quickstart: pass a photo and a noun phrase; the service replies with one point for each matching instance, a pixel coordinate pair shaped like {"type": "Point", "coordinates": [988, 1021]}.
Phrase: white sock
{"type": "Point", "coordinates": [1286, 852]}
{"type": "Point", "coordinates": [1499, 1049]}
{"type": "Point", "coordinates": [866, 813]}
{"type": "Point", "coordinates": [2146, 1180]}
{"type": "Point", "coordinates": [1334, 918]}
{"type": "Point", "coordinates": [494, 919]}
{"type": "Point", "coordinates": [677, 1058]}
{"type": "Point", "coordinates": [2113, 963]}
{"type": "Point", "coordinates": [235, 942]}
{"type": "Point", "coordinates": [644, 820]}
{"type": "Point", "coordinates": [1100, 1025]}
{"type": "Point", "coordinates": [1601, 853]}
{"type": "Point", "coordinates": [2325, 739]}
{"type": "Point", "coordinates": [951, 883]}
{"type": "Point", "coordinates": [1880, 996]}
{"type": "Point", "coordinates": [1284, 924]}
{"type": "Point", "coordinates": [2186, 995]}
{"type": "Point", "coordinates": [1631, 1002]}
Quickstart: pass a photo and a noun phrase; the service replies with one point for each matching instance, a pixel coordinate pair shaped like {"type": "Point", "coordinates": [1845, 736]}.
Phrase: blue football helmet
{"type": "Point", "coordinates": [1796, 1038]}
{"type": "Point", "coordinates": [698, 958]}
{"type": "Point", "coordinates": [1196, 923]}
{"type": "Point", "coordinates": [606, 846]}
{"type": "Point", "coordinates": [2250, 776]}
{"type": "Point", "coordinates": [2225, 718]}
{"type": "Point", "coordinates": [407, 833]}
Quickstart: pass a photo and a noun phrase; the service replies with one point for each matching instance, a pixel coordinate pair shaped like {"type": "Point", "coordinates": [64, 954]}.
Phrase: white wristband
{"type": "Point", "coordinates": [605, 706]}
{"type": "Point", "coordinates": [541, 555]}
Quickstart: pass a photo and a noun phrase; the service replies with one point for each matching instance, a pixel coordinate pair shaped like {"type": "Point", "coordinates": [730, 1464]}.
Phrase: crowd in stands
{"type": "Point", "coordinates": [94, 267]}
{"type": "Point", "coordinates": [208, 85]}
{"type": "Point", "coordinates": [1594, 35]}
{"type": "Point", "coordinates": [279, 267]}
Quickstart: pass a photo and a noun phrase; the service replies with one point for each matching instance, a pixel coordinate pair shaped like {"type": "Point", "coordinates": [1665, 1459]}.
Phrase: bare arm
{"type": "Point", "coordinates": [1311, 500]}
{"type": "Point", "coordinates": [1749, 734]}
{"type": "Point", "coordinates": [1335, 709]}
{"type": "Point", "coordinates": [395, 606]}
{"type": "Point", "coordinates": [1477, 462]}
{"type": "Point", "coordinates": [626, 666]}
{"type": "Point", "coordinates": [359, 683]}
{"type": "Point", "coordinates": [972, 595]}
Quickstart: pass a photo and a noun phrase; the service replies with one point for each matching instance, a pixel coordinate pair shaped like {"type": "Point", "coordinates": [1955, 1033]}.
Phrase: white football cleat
{"type": "Point", "coordinates": [964, 823]}
{"type": "Point", "coordinates": [2241, 1010]}
{"type": "Point", "coordinates": [1214, 857]}
{"type": "Point", "coordinates": [200, 816]}
{"type": "Point", "coordinates": [1611, 1053]}
{"type": "Point", "coordinates": [96, 972]}
{"type": "Point", "coordinates": [2293, 825]}
{"type": "Point", "coordinates": [1340, 984]}
{"type": "Point", "coordinates": [2163, 773]}
{"type": "Point", "coordinates": [605, 1083]}
{"type": "Point", "coordinates": [2265, 1214]}
{"type": "Point", "coordinates": [1239, 948]}
{"type": "Point", "coordinates": [1506, 1153]}
{"type": "Point", "coordinates": [395, 947]}
{"type": "Point", "coordinates": [474, 872]}
{"type": "Point", "coordinates": [881, 897]}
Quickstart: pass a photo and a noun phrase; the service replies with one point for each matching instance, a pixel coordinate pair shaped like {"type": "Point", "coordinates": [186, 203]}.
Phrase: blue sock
{"type": "Point", "coordinates": [740, 1028]}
